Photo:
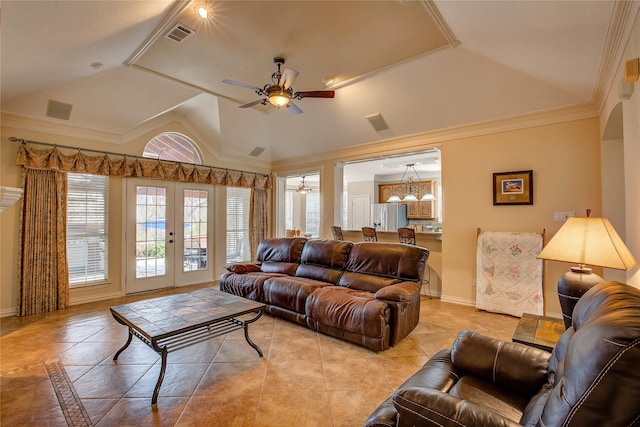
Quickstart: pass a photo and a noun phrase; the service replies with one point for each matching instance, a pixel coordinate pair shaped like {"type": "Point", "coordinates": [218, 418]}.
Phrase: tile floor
{"type": "Point", "coordinates": [304, 379]}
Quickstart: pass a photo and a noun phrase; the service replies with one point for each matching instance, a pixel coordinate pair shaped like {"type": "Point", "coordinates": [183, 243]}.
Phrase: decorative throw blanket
{"type": "Point", "coordinates": [509, 277]}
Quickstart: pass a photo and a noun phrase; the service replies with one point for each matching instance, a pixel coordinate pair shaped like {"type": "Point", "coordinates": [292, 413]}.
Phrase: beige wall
{"type": "Point", "coordinates": [564, 156]}
{"type": "Point", "coordinates": [630, 134]}
{"type": "Point", "coordinates": [566, 176]}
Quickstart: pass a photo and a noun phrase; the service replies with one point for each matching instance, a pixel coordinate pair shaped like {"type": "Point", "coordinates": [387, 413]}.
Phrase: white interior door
{"type": "Point", "coordinates": [169, 231]}
{"type": "Point", "coordinates": [361, 209]}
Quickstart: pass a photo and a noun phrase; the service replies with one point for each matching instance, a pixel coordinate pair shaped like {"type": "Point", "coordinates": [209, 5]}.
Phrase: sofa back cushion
{"type": "Point", "coordinates": [374, 265]}
{"type": "Point", "coordinates": [324, 260]}
{"type": "Point", "coordinates": [280, 254]}
{"type": "Point", "coordinates": [593, 370]}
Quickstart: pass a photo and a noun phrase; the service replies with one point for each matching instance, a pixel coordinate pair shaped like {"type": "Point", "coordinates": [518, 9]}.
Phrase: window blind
{"type": "Point", "coordinates": [87, 228]}
{"type": "Point", "coordinates": [238, 246]}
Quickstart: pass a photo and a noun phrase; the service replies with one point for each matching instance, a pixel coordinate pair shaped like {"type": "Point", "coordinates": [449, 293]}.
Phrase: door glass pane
{"type": "Point", "coordinates": [151, 208]}
{"type": "Point", "coordinates": [195, 230]}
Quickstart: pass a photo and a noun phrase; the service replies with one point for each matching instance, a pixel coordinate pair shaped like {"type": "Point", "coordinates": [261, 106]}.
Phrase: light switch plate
{"type": "Point", "coordinates": [563, 216]}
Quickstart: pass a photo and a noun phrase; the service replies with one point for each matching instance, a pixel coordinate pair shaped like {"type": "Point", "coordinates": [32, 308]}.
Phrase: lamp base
{"type": "Point", "coordinates": [571, 286]}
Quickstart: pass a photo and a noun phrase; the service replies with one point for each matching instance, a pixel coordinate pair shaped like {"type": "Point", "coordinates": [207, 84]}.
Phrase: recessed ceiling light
{"type": "Point", "coordinates": [203, 12]}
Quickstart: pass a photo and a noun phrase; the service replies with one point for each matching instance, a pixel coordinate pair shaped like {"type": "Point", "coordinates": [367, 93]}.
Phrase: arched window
{"type": "Point", "coordinates": [172, 146]}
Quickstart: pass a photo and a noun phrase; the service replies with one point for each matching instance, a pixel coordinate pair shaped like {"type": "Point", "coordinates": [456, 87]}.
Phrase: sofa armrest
{"type": "Point", "coordinates": [243, 268]}
{"type": "Point", "coordinates": [401, 292]}
{"type": "Point", "coordinates": [518, 367]}
{"type": "Point", "coordinates": [422, 406]}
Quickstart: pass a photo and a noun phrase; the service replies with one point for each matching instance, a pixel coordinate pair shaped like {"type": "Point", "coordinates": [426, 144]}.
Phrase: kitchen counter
{"type": "Point", "coordinates": [393, 235]}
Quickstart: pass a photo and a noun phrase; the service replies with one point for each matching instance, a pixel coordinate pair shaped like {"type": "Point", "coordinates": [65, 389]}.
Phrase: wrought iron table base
{"type": "Point", "coordinates": [177, 340]}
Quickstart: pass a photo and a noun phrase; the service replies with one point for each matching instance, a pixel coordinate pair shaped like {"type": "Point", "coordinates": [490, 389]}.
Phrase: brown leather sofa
{"type": "Point", "coordinates": [365, 293]}
{"type": "Point", "coordinates": [592, 377]}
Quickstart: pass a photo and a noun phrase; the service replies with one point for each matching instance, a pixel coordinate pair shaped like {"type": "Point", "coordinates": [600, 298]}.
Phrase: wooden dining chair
{"type": "Point", "coordinates": [369, 234]}
{"type": "Point", "coordinates": [337, 232]}
{"type": "Point", "coordinates": [407, 235]}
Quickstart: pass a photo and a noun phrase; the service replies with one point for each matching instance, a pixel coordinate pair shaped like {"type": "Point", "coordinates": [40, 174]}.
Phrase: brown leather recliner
{"type": "Point", "coordinates": [592, 377]}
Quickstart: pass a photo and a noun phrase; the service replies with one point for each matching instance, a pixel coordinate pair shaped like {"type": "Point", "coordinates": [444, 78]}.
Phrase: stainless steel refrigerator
{"type": "Point", "coordinates": [389, 216]}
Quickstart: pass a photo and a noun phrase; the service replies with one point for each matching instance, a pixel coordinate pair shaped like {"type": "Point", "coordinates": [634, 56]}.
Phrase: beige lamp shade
{"type": "Point", "coordinates": [591, 241]}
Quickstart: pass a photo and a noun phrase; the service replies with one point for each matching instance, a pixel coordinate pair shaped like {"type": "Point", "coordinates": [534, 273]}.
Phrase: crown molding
{"type": "Point", "coordinates": [419, 142]}
{"type": "Point", "coordinates": [620, 27]}
{"type": "Point", "coordinates": [19, 121]}
{"type": "Point", "coordinates": [442, 25]}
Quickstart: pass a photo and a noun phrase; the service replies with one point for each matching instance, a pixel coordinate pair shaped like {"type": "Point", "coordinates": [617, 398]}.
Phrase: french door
{"type": "Point", "coordinates": [169, 234]}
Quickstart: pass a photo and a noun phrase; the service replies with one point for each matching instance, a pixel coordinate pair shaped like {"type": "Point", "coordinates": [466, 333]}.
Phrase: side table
{"type": "Point", "coordinates": [538, 331]}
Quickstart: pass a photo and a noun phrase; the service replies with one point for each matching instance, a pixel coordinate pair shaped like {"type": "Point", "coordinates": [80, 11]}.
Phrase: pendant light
{"type": "Point", "coordinates": [303, 188]}
{"type": "Point", "coordinates": [410, 196]}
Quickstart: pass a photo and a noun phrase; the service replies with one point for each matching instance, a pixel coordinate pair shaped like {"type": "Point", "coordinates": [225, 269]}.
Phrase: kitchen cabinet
{"type": "Point", "coordinates": [415, 210]}
{"type": "Point", "coordinates": [387, 190]}
{"type": "Point", "coordinates": [420, 210]}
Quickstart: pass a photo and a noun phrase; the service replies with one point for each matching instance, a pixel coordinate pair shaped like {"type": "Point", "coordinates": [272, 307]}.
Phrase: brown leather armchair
{"type": "Point", "coordinates": [592, 377]}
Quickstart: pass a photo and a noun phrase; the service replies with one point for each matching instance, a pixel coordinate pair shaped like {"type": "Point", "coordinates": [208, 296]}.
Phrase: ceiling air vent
{"type": "Point", "coordinates": [256, 151]}
{"type": "Point", "coordinates": [377, 121]}
{"type": "Point", "coordinates": [179, 33]}
{"type": "Point", "coordinates": [59, 110]}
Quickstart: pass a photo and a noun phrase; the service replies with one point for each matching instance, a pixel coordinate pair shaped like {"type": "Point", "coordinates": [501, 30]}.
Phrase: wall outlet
{"type": "Point", "coordinates": [563, 216]}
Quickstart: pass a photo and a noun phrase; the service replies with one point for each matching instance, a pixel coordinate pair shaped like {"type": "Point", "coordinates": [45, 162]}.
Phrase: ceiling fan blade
{"type": "Point", "coordinates": [235, 83]}
{"type": "Point", "coordinates": [315, 94]}
{"type": "Point", "coordinates": [293, 108]}
{"type": "Point", "coordinates": [251, 104]}
{"type": "Point", "coordinates": [288, 77]}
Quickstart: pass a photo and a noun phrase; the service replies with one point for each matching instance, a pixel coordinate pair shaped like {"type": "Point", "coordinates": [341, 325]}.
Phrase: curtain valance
{"type": "Point", "coordinates": [124, 165]}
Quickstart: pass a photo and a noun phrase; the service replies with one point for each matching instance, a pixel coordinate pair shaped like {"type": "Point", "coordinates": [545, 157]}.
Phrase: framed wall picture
{"type": "Point", "coordinates": [513, 188]}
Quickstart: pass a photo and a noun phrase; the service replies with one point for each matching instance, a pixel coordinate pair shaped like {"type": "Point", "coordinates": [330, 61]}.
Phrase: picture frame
{"type": "Point", "coordinates": [513, 188]}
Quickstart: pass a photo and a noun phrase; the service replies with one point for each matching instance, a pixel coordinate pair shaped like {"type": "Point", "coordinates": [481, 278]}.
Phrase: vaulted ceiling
{"type": "Point", "coordinates": [423, 65]}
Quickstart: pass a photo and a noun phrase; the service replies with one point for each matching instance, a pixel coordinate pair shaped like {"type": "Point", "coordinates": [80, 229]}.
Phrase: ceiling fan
{"type": "Point", "coordinates": [279, 92]}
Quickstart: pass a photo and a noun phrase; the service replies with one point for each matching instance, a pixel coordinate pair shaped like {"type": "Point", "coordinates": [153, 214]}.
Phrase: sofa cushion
{"type": "Point", "coordinates": [349, 310]}
{"type": "Point", "coordinates": [323, 259]}
{"type": "Point", "coordinates": [290, 292]}
{"type": "Point", "coordinates": [373, 265]}
{"type": "Point", "coordinates": [280, 254]}
{"type": "Point", "coordinates": [510, 365]}
{"type": "Point", "coordinates": [243, 268]}
{"type": "Point", "coordinates": [247, 285]}
{"type": "Point", "coordinates": [280, 249]}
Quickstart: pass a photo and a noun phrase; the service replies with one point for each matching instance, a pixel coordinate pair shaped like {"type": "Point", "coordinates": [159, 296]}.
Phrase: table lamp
{"type": "Point", "coordinates": [591, 241]}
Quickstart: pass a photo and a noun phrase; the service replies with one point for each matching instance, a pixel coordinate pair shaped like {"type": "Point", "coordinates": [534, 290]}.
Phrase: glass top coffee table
{"type": "Point", "coordinates": [177, 321]}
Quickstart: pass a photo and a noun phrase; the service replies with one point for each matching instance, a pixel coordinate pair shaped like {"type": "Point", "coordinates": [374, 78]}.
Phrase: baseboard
{"type": "Point", "coordinates": [457, 300]}
{"type": "Point", "coordinates": [6, 312]}
{"type": "Point", "coordinates": [94, 298]}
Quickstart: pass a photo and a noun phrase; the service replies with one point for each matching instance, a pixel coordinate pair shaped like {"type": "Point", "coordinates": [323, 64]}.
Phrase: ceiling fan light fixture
{"type": "Point", "coordinates": [279, 100]}
{"type": "Point", "coordinates": [278, 96]}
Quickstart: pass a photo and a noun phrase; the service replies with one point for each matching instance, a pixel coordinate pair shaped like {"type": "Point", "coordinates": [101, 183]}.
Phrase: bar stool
{"type": "Point", "coordinates": [369, 234]}
{"type": "Point", "coordinates": [337, 232]}
{"type": "Point", "coordinates": [408, 236]}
